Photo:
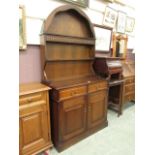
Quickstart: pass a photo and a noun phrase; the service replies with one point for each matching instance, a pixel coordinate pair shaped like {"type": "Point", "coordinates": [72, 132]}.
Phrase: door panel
{"type": "Point", "coordinates": [97, 108]}
{"type": "Point", "coordinates": [72, 117]}
{"type": "Point", "coordinates": [33, 126]}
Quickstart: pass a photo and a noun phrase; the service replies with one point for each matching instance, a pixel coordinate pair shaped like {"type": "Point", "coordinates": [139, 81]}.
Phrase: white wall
{"type": "Point", "coordinates": [37, 11]}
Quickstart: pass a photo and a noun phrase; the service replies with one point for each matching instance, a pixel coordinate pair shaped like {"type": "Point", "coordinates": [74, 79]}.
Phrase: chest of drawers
{"type": "Point", "coordinates": [129, 89]}
{"type": "Point", "coordinates": [129, 81]}
{"type": "Point", "coordinates": [34, 120]}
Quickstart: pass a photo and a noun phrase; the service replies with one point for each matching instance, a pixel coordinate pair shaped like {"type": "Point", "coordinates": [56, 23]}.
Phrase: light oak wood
{"type": "Point", "coordinates": [129, 84]}
{"type": "Point", "coordinates": [34, 120]}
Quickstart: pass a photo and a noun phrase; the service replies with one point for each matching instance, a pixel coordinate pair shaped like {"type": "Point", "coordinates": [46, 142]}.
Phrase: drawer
{"type": "Point", "coordinates": [72, 92]}
{"type": "Point", "coordinates": [129, 88]}
{"type": "Point", "coordinates": [25, 99]}
{"type": "Point", "coordinates": [97, 86]}
{"type": "Point", "coordinates": [73, 102]}
{"type": "Point", "coordinates": [130, 80]}
{"type": "Point", "coordinates": [129, 97]}
{"type": "Point", "coordinates": [97, 96]}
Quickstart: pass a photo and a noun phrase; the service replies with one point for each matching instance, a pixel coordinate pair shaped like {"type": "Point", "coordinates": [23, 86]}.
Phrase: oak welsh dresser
{"type": "Point", "coordinates": [78, 99]}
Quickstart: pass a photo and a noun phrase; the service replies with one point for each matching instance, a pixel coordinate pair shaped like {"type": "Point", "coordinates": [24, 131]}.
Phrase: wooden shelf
{"type": "Point", "coordinates": [69, 40]}
{"type": "Point", "coordinates": [50, 61]}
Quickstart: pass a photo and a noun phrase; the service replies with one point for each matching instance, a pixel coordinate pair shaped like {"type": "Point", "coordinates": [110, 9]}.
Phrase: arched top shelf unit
{"type": "Point", "coordinates": [67, 44]}
{"type": "Point", "coordinates": [69, 21]}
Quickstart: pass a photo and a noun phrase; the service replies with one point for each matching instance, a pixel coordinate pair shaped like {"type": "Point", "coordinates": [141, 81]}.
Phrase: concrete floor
{"type": "Point", "coordinates": [116, 139]}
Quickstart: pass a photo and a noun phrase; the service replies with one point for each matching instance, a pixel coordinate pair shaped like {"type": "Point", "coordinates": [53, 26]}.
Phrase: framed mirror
{"type": "Point", "coordinates": [103, 35]}
{"type": "Point", "coordinates": [119, 45]}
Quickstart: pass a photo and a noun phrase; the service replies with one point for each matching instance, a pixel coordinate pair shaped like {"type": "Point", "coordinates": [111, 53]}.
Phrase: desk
{"type": "Point", "coordinates": [111, 69]}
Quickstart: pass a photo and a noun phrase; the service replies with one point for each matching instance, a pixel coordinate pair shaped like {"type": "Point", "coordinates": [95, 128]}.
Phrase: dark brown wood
{"type": "Point", "coordinates": [78, 110]}
{"type": "Point", "coordinates": [111, 68]}
{"type": "Point", "coordinates": [74, 19]}
{"type": "Point", "coordinates": [34, 119]}
{"type": "Point", "coordinates": [96, 109]}
{"type": "Point", "coordinates": [67, 54]}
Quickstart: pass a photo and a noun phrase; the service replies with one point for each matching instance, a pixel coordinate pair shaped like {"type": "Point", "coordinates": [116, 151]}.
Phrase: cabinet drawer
{"type": "Point", "coordinates": [129, 97]}
{"type": "Point", "coordinates": [97, 86]}
{"type": "Point", "coordinates": [97, 96]}
{"type": "Point", "coordinates": [129, 88]}
{"type": "Point", "coordinates": [72, 92]}
{"type": "Point", "coordinates": [130, 80]}
{"type": "Point", "coordinates": [73, 102]}
{"type": "Point", "coordinates": [25, 99]}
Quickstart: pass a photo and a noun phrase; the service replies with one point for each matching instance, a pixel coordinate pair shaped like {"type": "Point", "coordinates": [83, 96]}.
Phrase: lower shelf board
{"type": "Point", "coordinates": [115, 107]}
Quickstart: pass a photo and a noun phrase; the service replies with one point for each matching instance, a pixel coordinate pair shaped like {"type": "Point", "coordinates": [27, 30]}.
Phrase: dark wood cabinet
{"type": "Point", "coordinates": [34, 120]}
{"type": "Point", "coordinates": [97, 108]}
{"type": "Point", "coordinates": [78, 99]}
{"type": "Point", "coordinates": [72, 117]}
{"type": "Point", "coordinates": [111, 68]}
{"type": "Point", "coordinates": [78, 112]}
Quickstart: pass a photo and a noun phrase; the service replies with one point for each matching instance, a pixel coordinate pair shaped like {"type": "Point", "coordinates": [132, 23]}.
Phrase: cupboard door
{"type": "Point", "coordinates": [97, 108]}
{"type": "Point", "coordinates": [34, 130]}
{"type": "Point", "coordinates": [72, 119]}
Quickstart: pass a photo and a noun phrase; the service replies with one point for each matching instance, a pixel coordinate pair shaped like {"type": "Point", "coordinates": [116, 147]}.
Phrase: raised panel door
{"type": "Point", "coordinates": [72, 119]}
{"type": "Point", "coordinates": [97, 108]}
{"type": "Point", "coordinates": [34, 128]}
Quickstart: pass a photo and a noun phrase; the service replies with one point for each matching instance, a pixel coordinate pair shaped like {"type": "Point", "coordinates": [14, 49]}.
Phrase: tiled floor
{"type": "Point", "coordinates": [116, 139]}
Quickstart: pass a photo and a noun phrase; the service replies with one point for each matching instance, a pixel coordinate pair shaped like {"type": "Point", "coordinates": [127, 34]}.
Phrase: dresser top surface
{"type": "Point", "coordinates": [74, 82]}
{"type": "Point", "coordinates": [29, 88]}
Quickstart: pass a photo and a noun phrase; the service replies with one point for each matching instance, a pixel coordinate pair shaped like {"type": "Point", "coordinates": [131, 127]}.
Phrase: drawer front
{"type": "Point", "coordinates": [72, 92]}
{"type": "Point", "coordinates": [26, 99]}
{"type": "Point", "coordinates": [97, 96]}
{"type": "Point", "coordinates": [129, 97]}
{"type": "Point", "coordinates": [130, 80]}
{"type": "Point", "coordinates": [97, 86]}
{"type": "Point", "coordinates": [129, 88]}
